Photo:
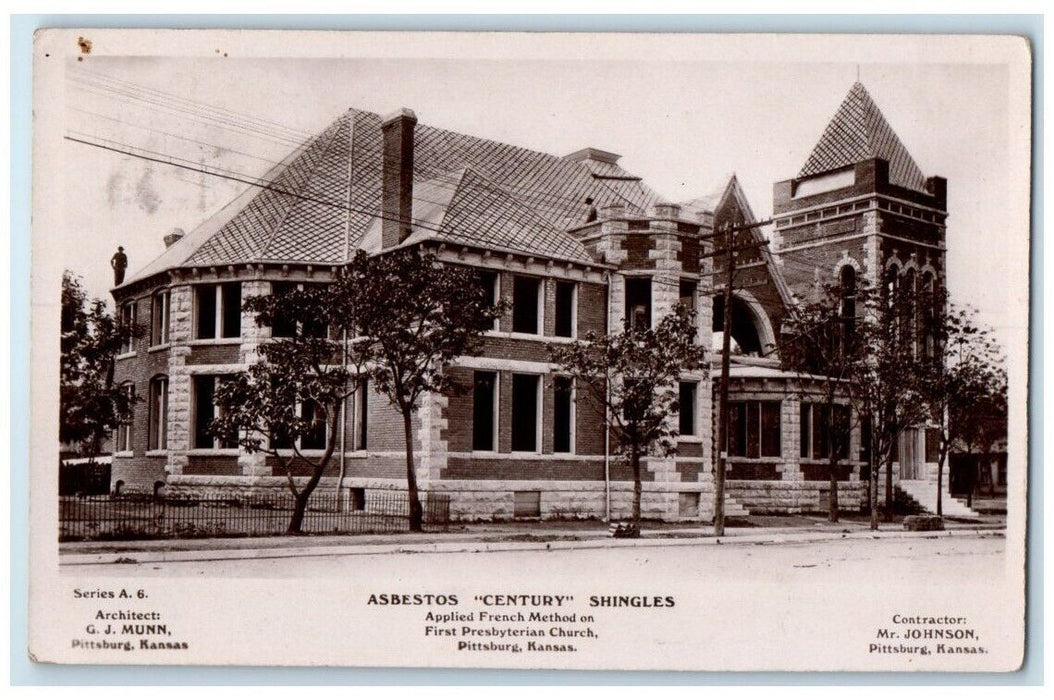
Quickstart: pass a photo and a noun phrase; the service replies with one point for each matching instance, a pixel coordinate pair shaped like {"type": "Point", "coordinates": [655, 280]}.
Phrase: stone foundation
{"type": "Point", "coordinates": [790, 497]}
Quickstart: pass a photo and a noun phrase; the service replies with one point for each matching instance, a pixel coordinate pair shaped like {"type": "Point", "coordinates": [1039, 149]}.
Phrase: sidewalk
{"type": "Point", "coordinates": [496, 537]}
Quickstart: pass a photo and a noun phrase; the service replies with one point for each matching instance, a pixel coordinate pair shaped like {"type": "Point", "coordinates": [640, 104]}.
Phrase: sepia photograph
{"type": "Point", "coordinates": [568, 351]}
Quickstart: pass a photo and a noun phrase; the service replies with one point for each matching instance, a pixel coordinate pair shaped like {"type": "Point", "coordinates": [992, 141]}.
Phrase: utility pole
{"type": "Point", "coordinates": [728, 232]}
{"type": "Point", "coordinates": [722, 415]}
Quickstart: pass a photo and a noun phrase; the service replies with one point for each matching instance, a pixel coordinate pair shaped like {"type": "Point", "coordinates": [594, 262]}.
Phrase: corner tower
{"type": "Point", "coordinates": [860, 201]}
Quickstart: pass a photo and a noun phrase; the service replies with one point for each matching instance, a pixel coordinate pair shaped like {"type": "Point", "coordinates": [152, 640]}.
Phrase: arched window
{"type": "Point", "coordinates": [909, 310]}
{"type": "Point", "coordinates": [158, 426]}
{"type": "Point", "coordinates": [847, 283]}
{"type": "Point", "coordinates": [928, 315]}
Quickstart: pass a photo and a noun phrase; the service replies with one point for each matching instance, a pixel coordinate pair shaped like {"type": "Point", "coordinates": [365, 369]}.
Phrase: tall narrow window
{"type": "Point", "coordinates": [688, 391]}
{"type": "Point", "coordinates": [525, 304]}
{"type": "Point", "coordinates": [638, 302]}
{"type": "Point", "coordinates": [687, 293]}
{"type": "Point", "coordinates": [283, 325]}
{"type": "Point", "coordinates": [217, 310]}
{"type": "Point", "coordinates": [123, 434]}
{"type": "Point", "coordinates": [159, 319]}
{"type": "Point", "coordinates": [848, 310]}
{"type": "Point", "coordinates": [563, 414]}
{"type": "Point", "coordinates": [488, 282]}
{"type": "Point", "coordinates": [157, 438]}
{"type": "Point", "coordinates": [483, 410]}
{"type": "Point", "coordinates": [128, 320]}
{"type": "Point", "coordinates": [754, 429]}
{"type": "Point", "coordinates": [205, 311]}
{"type": "Point", "coordinates": [930, 309]}
{"type": "Point", "coordinates": [525, 413]}
{"type": "Point", "coordinates": [362, 414]}
{"type": "Point", "coordinates": [232, 309]}
{"type": "Point", "coordinates": [205, 410]}
{"type": "Point", "coordinates": [315, 437]}
{"type": "Point", "coordinates": [824, 431]}
{"type": "Point", "coordinates": [565, 309]}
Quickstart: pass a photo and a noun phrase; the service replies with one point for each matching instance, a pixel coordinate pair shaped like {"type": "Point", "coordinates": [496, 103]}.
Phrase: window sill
{"type": "Point", "coordinates": [215, 341]}
{"type": "Point", "coordinates": [157, 453]}
{"type": "Point", "coordinates": [124, 454]}
{"type": "Point", "coordinates": [690, 439]}
{"type": "Point", "coordinates": [213, 452]}
{"type": "Point", "coordinates": [125, 355]}
{"type": "Point", "coordinates": [159, 346]}
{"type": "Point", "coordinates": [755, 460]}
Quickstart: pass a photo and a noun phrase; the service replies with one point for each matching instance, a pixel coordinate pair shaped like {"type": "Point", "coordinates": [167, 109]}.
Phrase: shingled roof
{"type": "Point", "coordinates": [318, 205]}
{"type": "Point", "coordinates": [859, 132]}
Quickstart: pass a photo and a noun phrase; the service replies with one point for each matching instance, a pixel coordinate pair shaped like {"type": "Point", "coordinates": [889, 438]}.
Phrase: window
{"type": "Point", "coordinates": [688, 392]}
{"type": "Point", "coordinates": [525, 412]}
{"type": "Point", "coordinates": [526, 504]}
{"type": "Point", "coordinates": [312, 439]}
{"type": "Point", "coordinates": [687, 293]}
{"type": "Point", "coordinates": [933, 444]}
{"type": "Point", "coordinates": [204, 411]}
{"type": "Point", "coordinates": [218, 310]}
{"type": "Point", "coordinates": [563, 414]}
{"type": "Point", "coordinates": [488, 282]}
{"type": "Point", "coordinates": [362, 413]}
{"type": "Point", "coordinates": [526, 308]}
{"type": "Point", "coordinates": [847, 280]}
{"type": "Point", "coordinates": [638, 302]}
{"type": "Point", "coordinates": [123, 434]}
{"type": "Point", "coordinates": [157, 438]}
{"type": "Point", "coordinates": [484, 407]}
{"type": "Point", "coordinates": [565, 309]}
{"type": "Point", "coordinates": [128, 320]}
{"type": "Point", "coordinates": [927, 319]}
{"type": "Point", "coordinates": [754, 429]}
{"type": "Point", "coordinates": [688, 504]}
{"type": "Point", "coordinates": [819, 435]}
{"type": "Point", "coordinates": [284, 326]}
{"type": "Point", "coordinates": [159, 316]}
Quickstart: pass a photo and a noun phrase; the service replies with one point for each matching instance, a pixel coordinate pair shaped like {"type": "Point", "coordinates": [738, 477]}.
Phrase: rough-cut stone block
{"type": "Point", "coordinates": [923, 523]}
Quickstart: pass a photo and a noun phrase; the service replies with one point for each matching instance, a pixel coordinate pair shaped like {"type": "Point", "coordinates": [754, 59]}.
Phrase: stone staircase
{"type": "Point", "coordinates": [924, 493]}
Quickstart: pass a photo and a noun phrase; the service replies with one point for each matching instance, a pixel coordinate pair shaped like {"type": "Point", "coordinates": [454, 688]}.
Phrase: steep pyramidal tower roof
{"type": "Point", "coordinates": [859, 132]}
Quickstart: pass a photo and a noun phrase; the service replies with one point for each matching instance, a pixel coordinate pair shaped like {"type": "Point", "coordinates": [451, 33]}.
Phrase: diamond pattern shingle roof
{"type": "Point", "coordinates": [317, 206]}
{"type": "Point", "coordinates": [858, 132]}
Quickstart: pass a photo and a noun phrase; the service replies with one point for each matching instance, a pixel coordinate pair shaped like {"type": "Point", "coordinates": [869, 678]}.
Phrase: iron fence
{"type": "Point", "coordinates": [130, 516]}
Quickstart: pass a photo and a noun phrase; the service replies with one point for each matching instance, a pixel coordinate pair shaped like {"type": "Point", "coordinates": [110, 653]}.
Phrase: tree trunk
{"type": "Point", "coordinates": [887, 514]}
{"type": "Point", "coordinates": [832, 499]}
{"type": "Point", "coordinates": [637, 487]}
{"type": "Point", "coordinates": [872, 488]}
{"type": "Point", "coordinates": [416, 512]}
{"type": "Point", "coordinates": [940, 483]}
{"type": "Point", "coordinates": [296, 523]}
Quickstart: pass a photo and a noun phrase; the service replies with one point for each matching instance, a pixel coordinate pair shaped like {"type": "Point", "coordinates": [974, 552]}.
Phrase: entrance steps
{"type": "Point", "coordinates": [924, 493]}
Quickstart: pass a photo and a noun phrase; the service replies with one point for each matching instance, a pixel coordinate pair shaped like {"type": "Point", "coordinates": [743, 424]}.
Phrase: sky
{"type": "Point", "coordinates": [683, 124]}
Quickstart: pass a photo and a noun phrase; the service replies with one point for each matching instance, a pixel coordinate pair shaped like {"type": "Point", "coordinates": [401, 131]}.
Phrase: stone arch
{"type": "Point", "coordinates": [755, 334]}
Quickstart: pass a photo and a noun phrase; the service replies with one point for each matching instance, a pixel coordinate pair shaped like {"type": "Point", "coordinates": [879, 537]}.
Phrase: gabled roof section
{"type": "Point", "coordinates": [463, 208]}
{"type": "Point", "coordinates": [859, 132]}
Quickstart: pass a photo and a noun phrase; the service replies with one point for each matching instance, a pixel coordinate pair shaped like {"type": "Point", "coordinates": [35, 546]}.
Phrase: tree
{"type": "Point", "coordinates": [90, 406]}
{"type": "Point", "coordinates": [413, 316]}
{"type": "Point", "coordinates": [823, 343]}
{"type": "Point", "coordinates": [294, 396]}
{"type": "Point", "coordinates": [890, 390]}
{"type": "Point", "coordinates": [632, 376]}
{"type": "Point", "coordinates": [965, 382]}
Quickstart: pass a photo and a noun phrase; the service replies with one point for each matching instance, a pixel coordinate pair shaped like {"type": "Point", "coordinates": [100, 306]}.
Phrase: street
{"type": "Point", "coordinates": [935, 559]}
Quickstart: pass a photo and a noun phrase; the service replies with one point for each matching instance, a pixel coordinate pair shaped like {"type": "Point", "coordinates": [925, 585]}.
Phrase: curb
{"type": "Point", "coordinates": [477, 546]}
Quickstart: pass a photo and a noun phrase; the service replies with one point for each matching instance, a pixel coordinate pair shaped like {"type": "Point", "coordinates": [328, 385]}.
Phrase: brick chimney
{"type": "Point", "coordinates": [173, 236]}
{"type": "Point", "coordinates": [397, 178]}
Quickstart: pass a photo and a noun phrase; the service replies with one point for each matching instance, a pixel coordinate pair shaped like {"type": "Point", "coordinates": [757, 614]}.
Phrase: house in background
{"type": "Point", "coordinates": [576, 244]}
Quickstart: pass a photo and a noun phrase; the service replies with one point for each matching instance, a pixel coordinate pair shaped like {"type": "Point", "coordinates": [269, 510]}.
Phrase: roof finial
{"type": "Point", "coordinates": [858, 72]}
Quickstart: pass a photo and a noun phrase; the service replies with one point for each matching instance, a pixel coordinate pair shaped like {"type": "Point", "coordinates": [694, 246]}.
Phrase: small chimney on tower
{"type": "Point", "coordinates": [397, 176]}
{"type": "Point", "coordinates": [173, 236]}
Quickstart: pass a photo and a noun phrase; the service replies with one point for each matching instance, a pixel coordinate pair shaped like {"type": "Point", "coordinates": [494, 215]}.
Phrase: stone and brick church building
{"type": "Point", "coordinates": [576, 244]}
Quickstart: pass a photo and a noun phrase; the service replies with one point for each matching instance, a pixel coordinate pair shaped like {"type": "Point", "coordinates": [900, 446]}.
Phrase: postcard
{"type": "Point", "coordinates": [534, 351]}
